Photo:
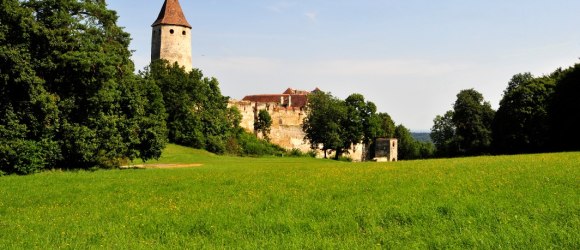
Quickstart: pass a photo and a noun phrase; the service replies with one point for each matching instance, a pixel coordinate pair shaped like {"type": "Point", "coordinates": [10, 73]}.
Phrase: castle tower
{"type": "Point", "coordinates": [171, 39]}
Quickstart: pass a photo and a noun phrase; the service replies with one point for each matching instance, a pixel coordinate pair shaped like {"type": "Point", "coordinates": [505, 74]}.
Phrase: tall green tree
{"type": "Point", "coordinates": [472, 117]}
{"type": "Point", "coordinates": [65, 72]}
{"type": "Point", "coordinates": [565, 110]}
{"type": "Point", "coordinates": [522, 122]}
{"type": "Point", "coordinates": [443, 135]}
{"type": "Point", "coordinates": [263, 124]}
{"type": "Point", "coordinates": [408, 147]}
{"type": "Point", "coordinates": [29, 114]}
{"type": "Point", "coordinates": [337, 124]}
{"type": "Point", "coordinates": [386, 125]}
{"type": "Point", "coordinates": [362, 123]}
{"type": "Point", "coordinates": [198, 115]}
{"type": "Point", "coordinates": [323, 125]}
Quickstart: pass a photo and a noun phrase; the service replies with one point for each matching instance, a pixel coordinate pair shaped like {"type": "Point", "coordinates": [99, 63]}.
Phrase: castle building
{"type": "Point", "coordinates": [171, 38]}
{"type": "Point", "coordinates": [291, 98]}
{"type": "Point", "coordinates": [287, 110]}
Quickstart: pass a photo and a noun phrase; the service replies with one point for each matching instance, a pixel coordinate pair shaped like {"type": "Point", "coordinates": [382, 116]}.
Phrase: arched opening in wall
{"type": "Point", "coordinates": [171, 31]}
{"type": "Point", "coordinates": [183, 32]}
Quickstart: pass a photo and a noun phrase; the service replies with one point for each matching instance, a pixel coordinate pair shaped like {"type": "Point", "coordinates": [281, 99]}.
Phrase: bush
{"type": "Point", "coordinates": [295, 153]}
{"type": "Point", "coordinates": [345, 159]}
{"type": "Point", "coordinates": [215, 144]}
{"type": "Point", "coordinates": [252, 146]}
{"type": "Point", "coordinates": [21, 157]}
{"type": "Point", "coordinates": [312, 153]}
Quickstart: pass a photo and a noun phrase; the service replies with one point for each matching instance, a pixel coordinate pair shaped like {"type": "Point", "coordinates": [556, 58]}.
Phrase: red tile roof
{"type": "Point", "coordinates": [291, 91]}
{"type": "Point", "coordinates": [297, 98]}
{"type": "Point", "coordinates": [172, 14]}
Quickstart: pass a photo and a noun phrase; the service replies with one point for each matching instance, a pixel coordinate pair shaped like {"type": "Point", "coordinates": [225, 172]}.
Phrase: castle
{"type": "Point", "coordinates": [171, 40]}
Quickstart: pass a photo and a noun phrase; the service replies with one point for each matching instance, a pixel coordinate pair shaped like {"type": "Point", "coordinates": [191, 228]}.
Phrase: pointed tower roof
{"type": "Point", "coordinates": [171, 14]}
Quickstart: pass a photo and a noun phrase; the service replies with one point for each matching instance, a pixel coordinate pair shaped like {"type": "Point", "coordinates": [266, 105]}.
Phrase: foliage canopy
{"type": "Point", "coordinates": [70, 98]}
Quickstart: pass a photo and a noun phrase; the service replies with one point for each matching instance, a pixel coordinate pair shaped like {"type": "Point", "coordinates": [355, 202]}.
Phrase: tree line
{"type": "Point", "coordinates": [335, 125]}
{"type": "Point", "coordinates": [71, 99]}
{"type": "Point", "coordinates": [536, 114]}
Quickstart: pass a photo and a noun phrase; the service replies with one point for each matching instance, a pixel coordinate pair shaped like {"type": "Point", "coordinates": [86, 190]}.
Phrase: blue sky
{"type": "Point", "coordinates": [410, 57]}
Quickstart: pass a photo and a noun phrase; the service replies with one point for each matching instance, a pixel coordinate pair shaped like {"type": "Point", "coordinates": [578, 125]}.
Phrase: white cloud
{"type": "Point", "coordinates": [312, 16]}
{"type": "Point", "coordinates": [280, 6]}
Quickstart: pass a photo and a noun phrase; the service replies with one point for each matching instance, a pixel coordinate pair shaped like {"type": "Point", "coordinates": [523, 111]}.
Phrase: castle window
{"type": "Point", "coordinates": [183, 32]}
{"type": "Point", "coordinates": [171, 31]}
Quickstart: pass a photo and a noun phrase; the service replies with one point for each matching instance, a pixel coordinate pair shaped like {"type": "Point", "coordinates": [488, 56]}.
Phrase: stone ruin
{"type": "Point", "coordinates": [288, 111]}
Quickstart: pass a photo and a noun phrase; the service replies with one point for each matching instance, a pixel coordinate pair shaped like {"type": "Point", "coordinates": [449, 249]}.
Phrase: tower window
{"type": "Point", "coordinates": [183, 32]}
{"type": "Point", "coordinates": [171, 31]}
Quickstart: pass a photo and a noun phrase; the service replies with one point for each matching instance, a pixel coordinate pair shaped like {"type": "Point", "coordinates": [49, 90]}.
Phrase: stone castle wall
{"type": "Point", "coordinates": [286, 130]}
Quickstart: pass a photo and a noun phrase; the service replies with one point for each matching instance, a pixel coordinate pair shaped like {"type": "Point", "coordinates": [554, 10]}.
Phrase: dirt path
{"type": "Point", "coordinates": [164, 166]}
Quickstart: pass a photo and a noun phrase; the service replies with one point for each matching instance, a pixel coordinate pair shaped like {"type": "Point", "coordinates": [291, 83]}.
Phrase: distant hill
{"type": "Point", "coordinates": [421, 136]}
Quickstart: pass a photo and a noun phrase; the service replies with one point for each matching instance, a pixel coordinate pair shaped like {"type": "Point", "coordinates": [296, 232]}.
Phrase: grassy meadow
{"type": "Point", "coordinates": [528, 201]}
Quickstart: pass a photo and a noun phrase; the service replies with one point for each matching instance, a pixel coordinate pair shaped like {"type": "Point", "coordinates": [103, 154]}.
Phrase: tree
{"type": "Point", "coordinates": [198, 115]}
{"type": "Point", "coordinates": [352, 123]}
{"type": "Point", "coordinates": [426, 149]}
{"type": "Point", "coordinates": [323, 124]}
{"type": "Point", "coordinates": [29, 115]}
{"type": "Point", "coordinates": [362, 123]}
{"type": "Point", "coordinates": [263, 123]}
{"type": "Point", "coordinates": [472, 117]}
{"type": "Point", "coordinates": [522, 123]}
{"type": "Point", "coordinates": [408, 147]}
{"type": "Point", "coordinates": [565, 110]}
{"type": "Point", "coordinates": [443, 135]}
{"type": "Point", "coordinates": [386, 125]}
{"type": "Point", "coordinates": [465, 130]}
{"type": "Point", "coordinates": [337, 124]}
{"type": "Point", "coordinates": [66, 79]}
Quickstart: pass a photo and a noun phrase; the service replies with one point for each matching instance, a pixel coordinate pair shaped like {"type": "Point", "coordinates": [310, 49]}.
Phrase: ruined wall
{"type": "Point", "coordinates": [386, 149]}
{"type": "Point", "coordinates": [286, 130]}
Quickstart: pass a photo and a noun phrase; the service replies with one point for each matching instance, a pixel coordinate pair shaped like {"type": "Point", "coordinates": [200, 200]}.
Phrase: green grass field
{"type": "Point", "coordinates": [529, 201]}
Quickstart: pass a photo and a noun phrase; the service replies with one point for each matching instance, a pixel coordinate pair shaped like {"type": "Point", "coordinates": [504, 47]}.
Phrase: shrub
{"type": "Point", "coordinates": [312, 153]}
{"type": "Point", "coordinates": [252, 146]}
{"type": "Point", "coordinates": [295, 153]}
{"type": "Point", "coordinates": [21, 157]}
{"type": "Point", "coordinates": [345, 159]}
